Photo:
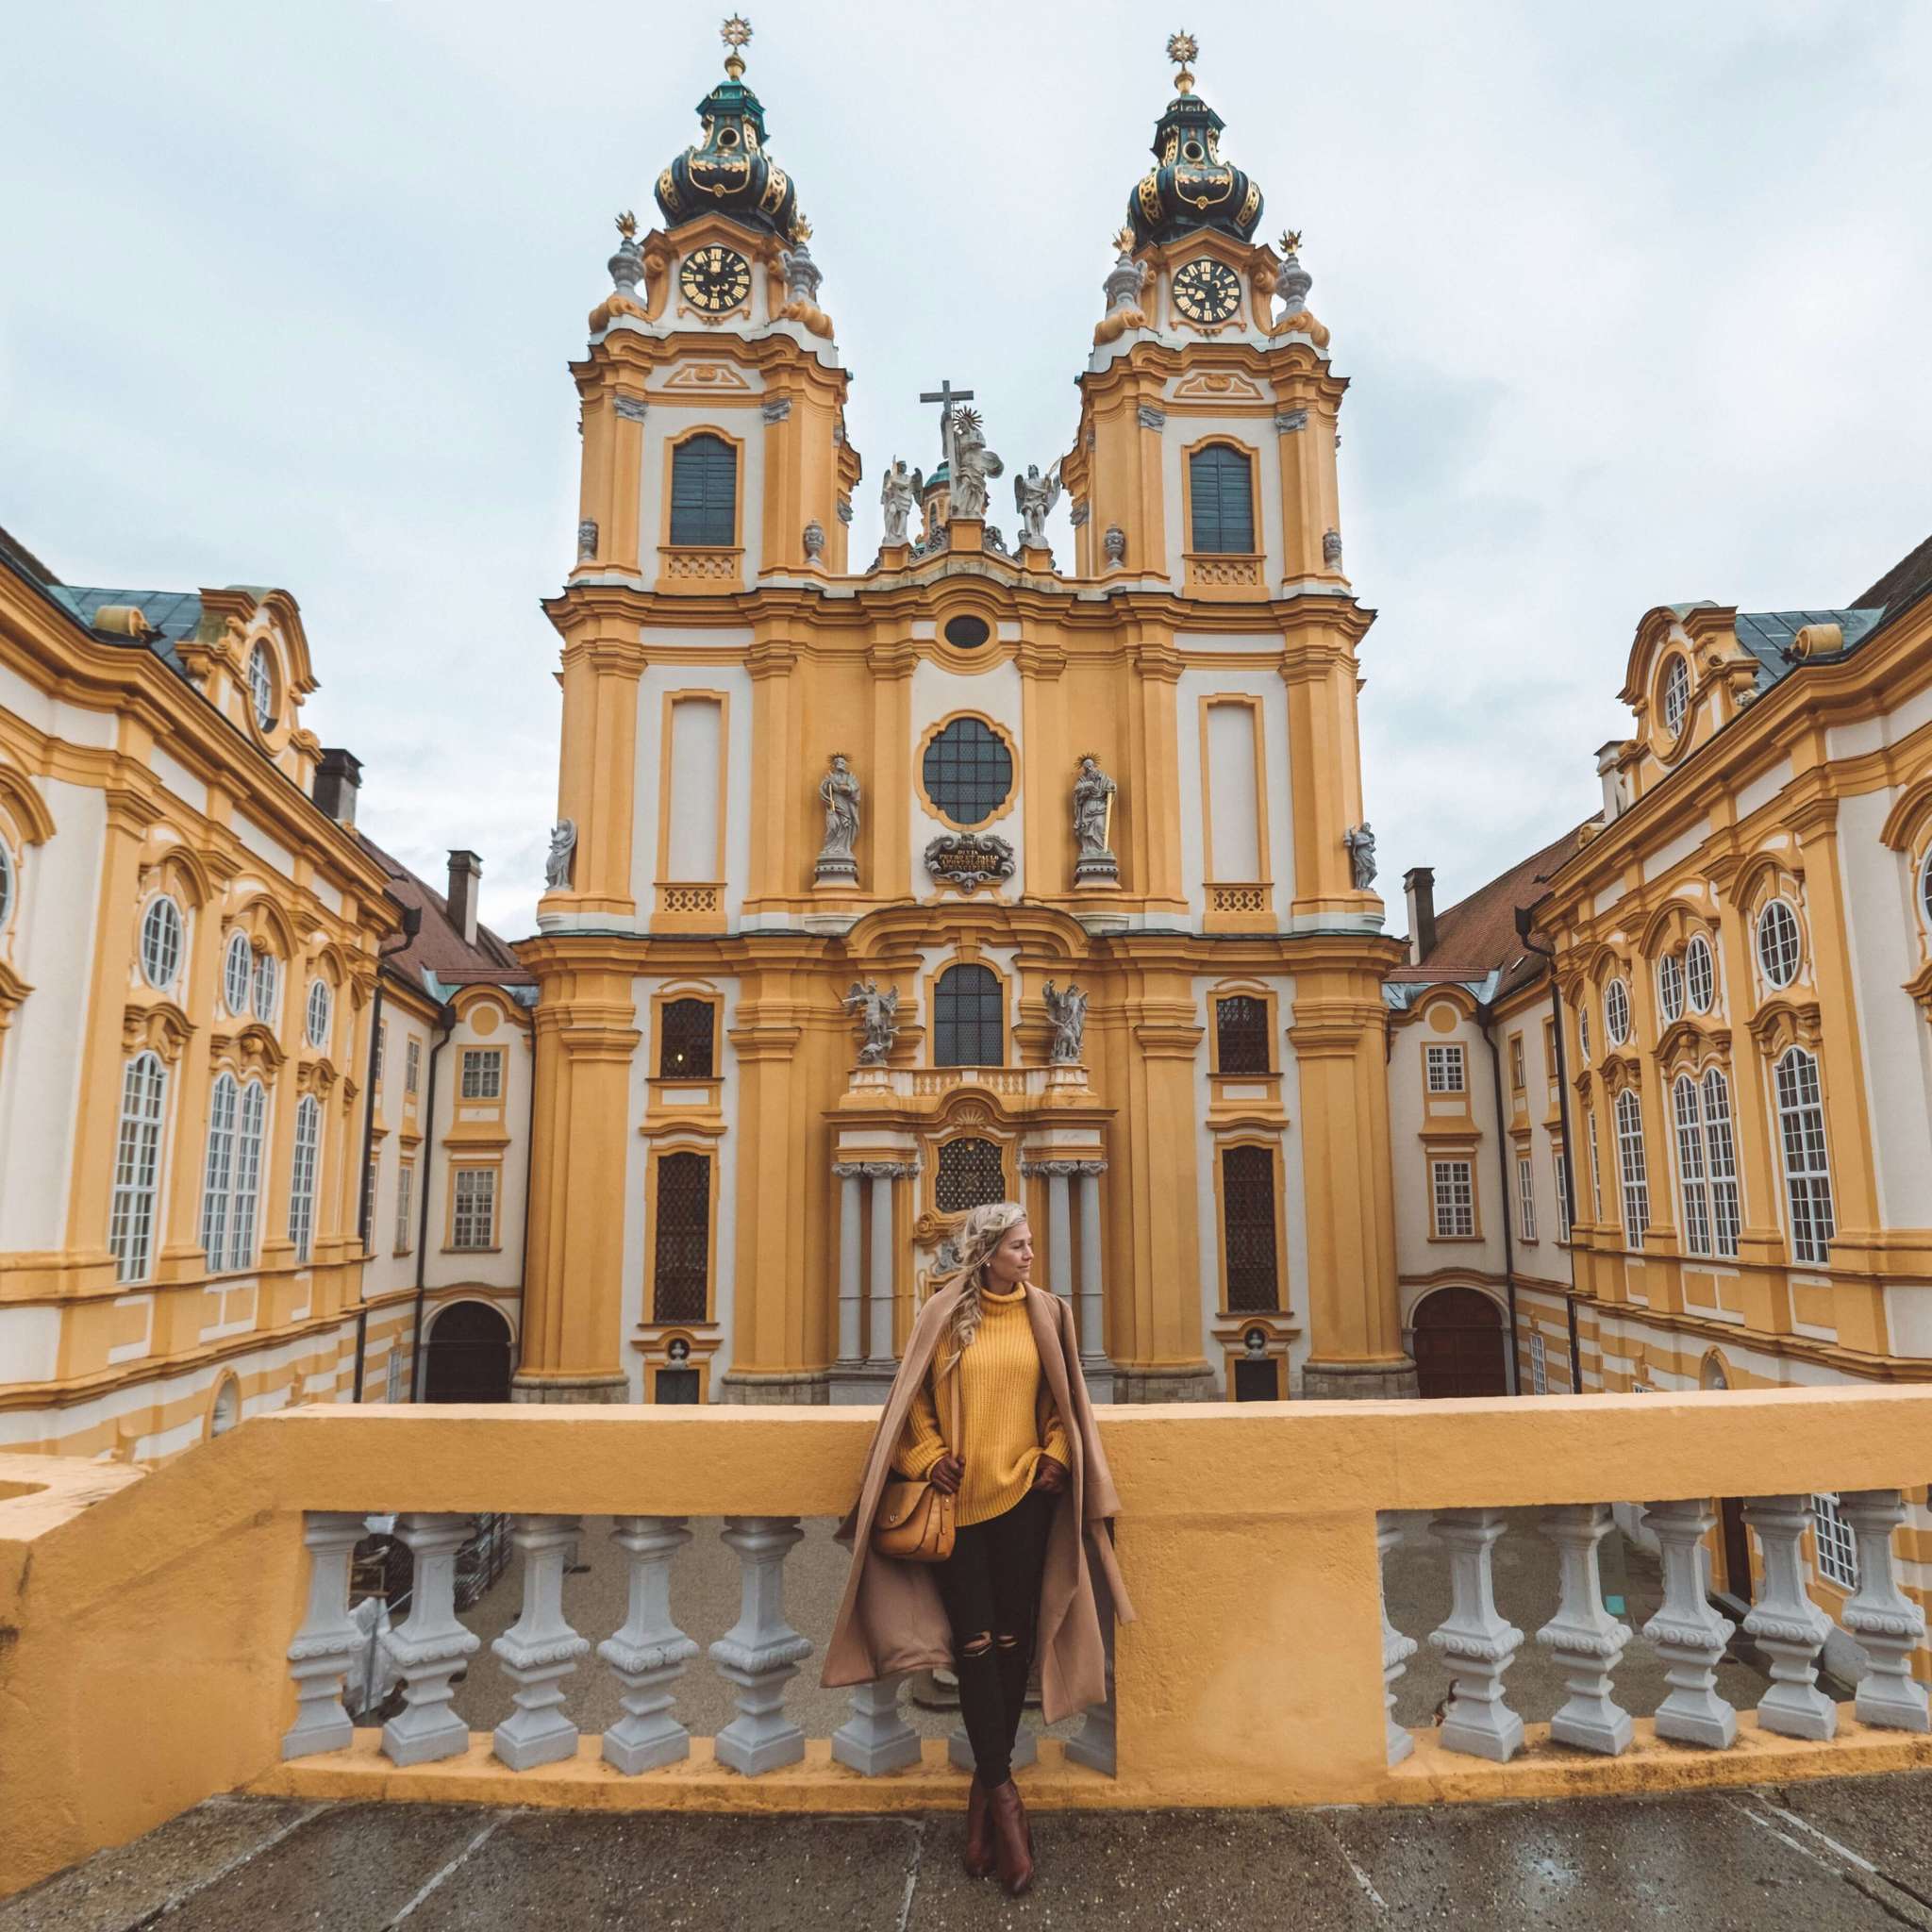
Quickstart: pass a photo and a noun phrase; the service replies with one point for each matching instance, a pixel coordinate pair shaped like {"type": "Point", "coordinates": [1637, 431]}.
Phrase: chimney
{"type": "Point", "coordinates": [465, 874]}
{"type": "Point", "coordinates": [337, 780]}
{"type": "Point", "coordinates": [1419, 885]}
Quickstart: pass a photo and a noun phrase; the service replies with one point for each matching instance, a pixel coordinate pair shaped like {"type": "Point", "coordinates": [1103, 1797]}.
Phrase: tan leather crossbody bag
{"type": "Point", "coordinates": [916, 1523]}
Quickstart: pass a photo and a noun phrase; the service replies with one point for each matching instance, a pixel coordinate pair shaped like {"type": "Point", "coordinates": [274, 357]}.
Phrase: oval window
{"type": "Point", "coordinates": [1701, 972]}
{"type": "Point", "coordinates": [968, 772]}
{"type": "Point", "coordinates": [1778, 943]}
{"type": "Point", "coordinates": [967, 632]}
{"type": "Point", "coordinates": [161, 942]}
{"type": "Point", "coordinates": [1617, 1013]}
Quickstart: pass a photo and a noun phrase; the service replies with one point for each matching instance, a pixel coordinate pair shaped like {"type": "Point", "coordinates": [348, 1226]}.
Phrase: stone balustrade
{"type": "Point", "coordinates": [193, 1620]}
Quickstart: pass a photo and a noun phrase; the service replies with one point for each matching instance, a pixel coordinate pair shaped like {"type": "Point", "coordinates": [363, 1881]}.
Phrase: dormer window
{"type": "Point", "coordinates": [262, 687]}
{"type": "Point", "coordinates": [1221, 493]}
{"type": "Point", "coordinates": [1676, 695]}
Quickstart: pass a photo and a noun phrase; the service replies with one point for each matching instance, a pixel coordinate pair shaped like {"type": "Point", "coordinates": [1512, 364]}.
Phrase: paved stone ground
{"type": "Point", "coordinates": [1842, 1856]}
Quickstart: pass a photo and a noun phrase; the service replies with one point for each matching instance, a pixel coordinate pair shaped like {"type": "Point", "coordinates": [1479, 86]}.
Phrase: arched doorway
{"type": "Point", "coordinates": [1459, 1344]}
{"type": "Point", "coordinates": [468, 1356]}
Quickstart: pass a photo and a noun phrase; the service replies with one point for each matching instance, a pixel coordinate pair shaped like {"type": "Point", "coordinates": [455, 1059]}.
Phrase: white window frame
{"type": "Point", "coordinates": [1559, 1163]}
{"type": "Point", "coordinates": [412, 1066]}
{"type": "Point", "coordinates": [1583, 1029]}
{"type": "Point", "coordinates": [406, 1190]}
{"type": "Point", "coordinates": [1924, 887]}
{"type": "Point", "coordinates": [1526, 1198]}
{"type": "Point", "coordinates": [1701, 986]}
{"type": "Point", "coordinates": [238, 974]}
{"type": "Point", "coordinates": [1597, 1176]}
{"type": "Point", "coordinates": [1519, 1065]}
{"type": "Point", "coordinates": [265, 988]}
{"type": "Point", "coordinates": [1800, 1098]}
{"type": "Point", "coordinates": [1780, 942]}
{"type": "Point", "coordinates": [482, 1074]}
{"type": "Point", "coordinates": [318, 1012]}
{"type": "Point", "coordinates": [1676, 693]}
{"type": "Point", "coordinates": [1687, 1113]}
{"type": "Point", "coordinates": [1837, 1549]}
{"type": "Point", "coordinates": [1633, 1173]}
{"type": "Point", "coordinates": [1670, 988]}
{"type": "Point", "coordinates": [1617, 1013]}
{"type": "Point", "coordinates": [371, 1174]}
{"type": "Point", "coordinates": [231, 1179]}
{"type": "Point", "coordinates": [1452, 1194]}
{"type": "Point", "coordinates": [393, 1375]}
{"type": "Point", "coordinates": [163, 941]}
{"type": "Point", "coordinates": [262, 687]}
{"type": "Point", "coordinates": [1448, 1067]}
{"type": "Point", "coordinates": [1539, 1363]}
{"type": "Point", "coordinates": [9, 883]}
{"type": "Point", "coordinates": [134, 1212]}
{"type": "Point", "coordinates": [302, 1178]}
{"type": "Point", "coordinates": [1719, 1141]}
{"type": "Point", "coordinates": [474, 1192]}
{"type": "Point", "coordinates": [382, 1049]}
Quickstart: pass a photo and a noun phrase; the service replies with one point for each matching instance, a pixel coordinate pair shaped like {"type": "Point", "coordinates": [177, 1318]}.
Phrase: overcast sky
{"type": "Point", "coordinates": [1635, 302]}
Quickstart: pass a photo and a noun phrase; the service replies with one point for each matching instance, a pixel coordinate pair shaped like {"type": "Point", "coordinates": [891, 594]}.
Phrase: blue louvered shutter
{"type": "Point", "coordinates": [1221, 485]}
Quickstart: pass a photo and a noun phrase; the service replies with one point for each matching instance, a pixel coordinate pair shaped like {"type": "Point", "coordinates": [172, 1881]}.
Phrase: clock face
{"type": "Point", "coordinates": [1207, 291]}
{"type": "Point", "coordinates": [715, 279]}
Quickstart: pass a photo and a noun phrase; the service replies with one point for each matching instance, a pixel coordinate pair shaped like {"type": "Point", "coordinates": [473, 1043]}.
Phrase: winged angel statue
{"type": "Point", "coordinates": [879, 1013]}
{"type": "Point", "coordinates": [1034, 496]}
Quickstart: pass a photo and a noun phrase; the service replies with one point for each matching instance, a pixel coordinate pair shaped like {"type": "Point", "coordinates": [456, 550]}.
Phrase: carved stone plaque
{"type": "Point", "coordinates": [969, 860]}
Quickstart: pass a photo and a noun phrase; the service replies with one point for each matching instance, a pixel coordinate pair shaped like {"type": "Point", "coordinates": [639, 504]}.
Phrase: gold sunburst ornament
{"type": "Point", "coordinates": [736, 34]}
{"type": "Point", "coordinates": [1182, 48]}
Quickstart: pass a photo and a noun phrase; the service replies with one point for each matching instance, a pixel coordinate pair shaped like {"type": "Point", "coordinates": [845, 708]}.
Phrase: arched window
{"type": "Point", "coordinates": [681, 1268]}
{"type": "Point", "coordinates": [267, 987]}
{"type": "Point", "coordinates": [320, 1006]}
{"type": "Point", "coordinates": [968, 770]}
{"type": "Point", "coordinates": [262, 687]}
{"type": "Point", "coordinates": [1669, 986]}
{"type": "Point", "coordinates": [160, 942]}
{"type": "Point", "coordinates": [1583, 1029]}
{"type": "Point", "coordinates": [1677, 695]}
{"type": "Point", "coordinates": [231, 1186]}
{"type": "Point", "coordinates": [1727, 1217]}
{"type": "Point", "coordinates": [1700, 973]}
{"type": "Point", "coordinates": [1617, 1013]}
{"type": "Point", "coordinates": [1221, 494]}
{"type": "Point", "coordinates": [971, 1174]}
{"type": "Point", "coordinates": [1248, 1229]}
{"type": "Point", "coordinates": [1631, 1170]}
{"type": "Point", "coordinates": [703, 491]}
{"type": "Point", "coordinates": [1924, 887]}
{"type": "Point", "coordinates": [1779, 944]}
{"type": "Point", "coordinates": [302, 1182]}
{"type": "Point", "coordinates": [228, 1408]}
{"type": "Point", "coordinates": [137, 1167]}
{"type": "Point", "coordinates": [7, 884]}
{"type": "Point", "coordinates": [1807, 1165]}
{"type": "Point", "coordinates": [238, 972]}
{"type": "Point", "coordinates": [968, 1029]}
{"type": "Point", "coordinates": [1688, 1106]}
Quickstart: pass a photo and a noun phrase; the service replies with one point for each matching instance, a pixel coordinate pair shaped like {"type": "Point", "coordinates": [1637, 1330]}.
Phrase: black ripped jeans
{"type": "Point", "coordinates": [990, 1588]}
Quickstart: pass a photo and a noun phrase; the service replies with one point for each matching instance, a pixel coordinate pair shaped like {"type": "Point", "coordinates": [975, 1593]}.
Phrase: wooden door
{"type": "Point", "coordinates": [1459, 1344]}
{"type": "Point", "coordinates": [468, 1356]}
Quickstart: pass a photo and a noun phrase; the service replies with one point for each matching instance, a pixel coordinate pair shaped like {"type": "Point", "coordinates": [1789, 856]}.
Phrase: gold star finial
{"type": "Point", "coordinates": [1291, 240]}
{"type": "Point", "coordinates": [736, 34]}
{"type": "Point", "coordinates": [1181, 48]}
{"type": "Point", "coordinates": [627, 225]}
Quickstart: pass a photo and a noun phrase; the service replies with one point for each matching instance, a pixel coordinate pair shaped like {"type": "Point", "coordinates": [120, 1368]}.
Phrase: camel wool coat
{"type": "Point", "coordinates": [892, 1620]}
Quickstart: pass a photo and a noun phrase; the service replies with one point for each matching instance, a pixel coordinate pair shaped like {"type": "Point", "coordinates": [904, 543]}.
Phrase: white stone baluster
{"type": "Point", "coordinates": [1886, 1621]}
{"type": "Point", "coordinates": [876, 1738]}
{"type": "Point", "coordinates": [1583, 1637]}
{"type": "Point", "coordinates": [1097, 1744]}
{"type": "Point", "coordinates": [1478, 1643]}
{"type": "Point", "coordinates": [429, 1644]}
{"type": "Point", "coordinates": [1397, 1648]}
{"type": "Point", "coordinates": [649, 1651]}
{"type": "Point", "coordinates": [539, 1650]}
{"type": "Point", "coordinates": [1687, 1633]}
{"type": "Point", "coordinates": [761, 1652]}
{"type": "Point", "coordinates": [326, 1645]}
{"type": "Point", "coordinates": [1787, 1623]}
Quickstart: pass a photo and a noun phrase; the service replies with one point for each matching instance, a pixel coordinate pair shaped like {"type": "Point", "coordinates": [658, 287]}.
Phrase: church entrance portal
{"type": "Point", "coordinates": [468, 1356]}
{"type": "Point", "coordinates": [1459, 1344]}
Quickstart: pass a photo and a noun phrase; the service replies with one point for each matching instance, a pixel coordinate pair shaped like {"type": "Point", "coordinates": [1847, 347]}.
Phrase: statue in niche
{"type": "Point", "coordinates": [969, 464]}
{"type": "Point", "coordinates": [878, 1014]}
{"type": "Point", "coordinates": [1068, 1012]}
{"type": "Point", "coordinates": [1093, 796]}
{"type": "Point", "coordinates": [899, 497]}
{"type": "Point", "coordinates": [1360, 843]}
{"type": "Point", "coordinates": [839, 794]}
{"type": "Point", "coordinates": [1034, 496]}
{"type": "Point", "coordinates": [563, 848]}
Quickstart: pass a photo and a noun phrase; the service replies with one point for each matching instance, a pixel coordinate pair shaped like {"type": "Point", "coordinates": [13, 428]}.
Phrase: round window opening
{"type": "Point", "coordinates": [1193, 150]}
{"type": "Point", "coordinates": [967, 632]}
{"type": "Point", "coordinates": [968, 772]}
{"type": "Point", "coordinates": [727, 137]}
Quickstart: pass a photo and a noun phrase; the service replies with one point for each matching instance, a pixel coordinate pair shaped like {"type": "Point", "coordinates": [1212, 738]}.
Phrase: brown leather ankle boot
{"type": "Point", "coordinates": [1011, 1849]}
{"type": "Point", "coordinates": [978, 1856]}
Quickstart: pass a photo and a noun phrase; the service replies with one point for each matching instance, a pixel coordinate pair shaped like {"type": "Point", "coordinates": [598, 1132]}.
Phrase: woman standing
{"type": "Point", "coordinates": [1031, 1488]}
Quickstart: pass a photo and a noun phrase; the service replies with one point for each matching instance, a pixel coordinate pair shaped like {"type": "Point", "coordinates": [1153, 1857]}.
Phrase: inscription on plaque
{"type": "Point", "coordinates": [969, 860]}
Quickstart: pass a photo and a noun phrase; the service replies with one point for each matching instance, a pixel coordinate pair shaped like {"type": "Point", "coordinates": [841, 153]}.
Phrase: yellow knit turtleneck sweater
{"type": "Point", "coordinates": [1007, 1417]}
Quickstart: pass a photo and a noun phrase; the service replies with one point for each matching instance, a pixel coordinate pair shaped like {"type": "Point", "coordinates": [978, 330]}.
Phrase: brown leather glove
{"type": "Point", "coordinates": [1050, 1475]}
{"type": "Point", "coordinates": [946, 1475]}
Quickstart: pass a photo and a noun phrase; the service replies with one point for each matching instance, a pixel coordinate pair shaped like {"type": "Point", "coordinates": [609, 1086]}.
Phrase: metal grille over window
{"type": "Point", "coordinates": [161, 942]}
{"type": "Point", "coordinates": [1221, 493]}
{"type": "Point", "coordinates": [685, 1039]}
{"type": "Point", "coordinates": [1807, 1166]}
{"type": "Point", "coordinates": [971, 1174]}
{"type": "Point", "coordinates": [1241, 1035]}
{"type": "Point", "coordinates": [1446, 1070]}
{"type": "Point", "coordinates": [1247, 1213]}
{"type": "Point", "coordinates": [703, 491]}
{"type": "Point", "coordinates": [681, 1272]}
{"type": "Point", "coordinates": [1779, 943]}
{"type": "Point", "coordinates": [482, 1072]}
{"type": "Point", "coordinates": [1700, 973]}
{"type": "Point", "coordinates": [968, 770]}
{"type": "Point", "coordinates": [968, 1029]}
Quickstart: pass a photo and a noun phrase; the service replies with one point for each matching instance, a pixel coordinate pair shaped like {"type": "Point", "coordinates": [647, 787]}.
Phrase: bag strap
{"type": "Point", "coordinates": [954, 1404]}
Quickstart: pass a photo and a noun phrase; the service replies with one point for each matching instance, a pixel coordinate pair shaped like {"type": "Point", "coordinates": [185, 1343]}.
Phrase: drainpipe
{"type": "Point", "coordinates": [448, 1027]}
{"type": "Point", "coordinates": [1485, 1014]}
{"type": "Point", "coordinates": [1526, 921]}
{"type": "Point", "coordinates": [412, 924]}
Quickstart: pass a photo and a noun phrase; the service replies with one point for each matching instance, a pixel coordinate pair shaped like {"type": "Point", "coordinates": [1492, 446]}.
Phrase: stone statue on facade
{"type": "Point", "coordinates": [970, 465]}
{"type": "Point", "coordinates": [1068, 1012]}
{"type": "Point", "coordinates": [839, 794]}
{"type": "Point", "coordinates": [814, 541]}
{"type": "Point", "coordinates": [1360, 843]}
{"type": "Point", "coordinates": [1034, 496]}
{"type": "Point", "coordinates": [1093, 796]}
{"type": "Point", "coordinates": [1122, 289]}
{"type": "Point", "coordinates": [878, 1014]}
{"type": "Point", "coordinates": [563, 848]}
{"type": "Point", "coordinates": [899, 498]}
{"type": "Point", "coordinates": [1114, 544]}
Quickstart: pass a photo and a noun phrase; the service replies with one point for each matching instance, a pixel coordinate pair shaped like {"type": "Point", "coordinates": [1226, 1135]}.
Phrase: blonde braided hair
{"type": "Point", "coordinates": [980, 1234]}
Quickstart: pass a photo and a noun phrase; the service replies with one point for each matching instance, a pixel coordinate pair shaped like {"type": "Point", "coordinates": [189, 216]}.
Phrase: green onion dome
{"type": "Point", "coordinates": [1190, 185]}
{"type": "Point", "coordinates": [728, 171]}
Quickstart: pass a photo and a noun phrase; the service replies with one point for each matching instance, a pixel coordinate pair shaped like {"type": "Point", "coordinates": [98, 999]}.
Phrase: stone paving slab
{"type": "Point", "coordinates": [1842, 1856]}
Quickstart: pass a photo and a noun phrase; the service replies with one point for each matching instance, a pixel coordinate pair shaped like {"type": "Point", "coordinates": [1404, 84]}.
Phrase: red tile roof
{"type": "Point", "coordinates": [440, 947]}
